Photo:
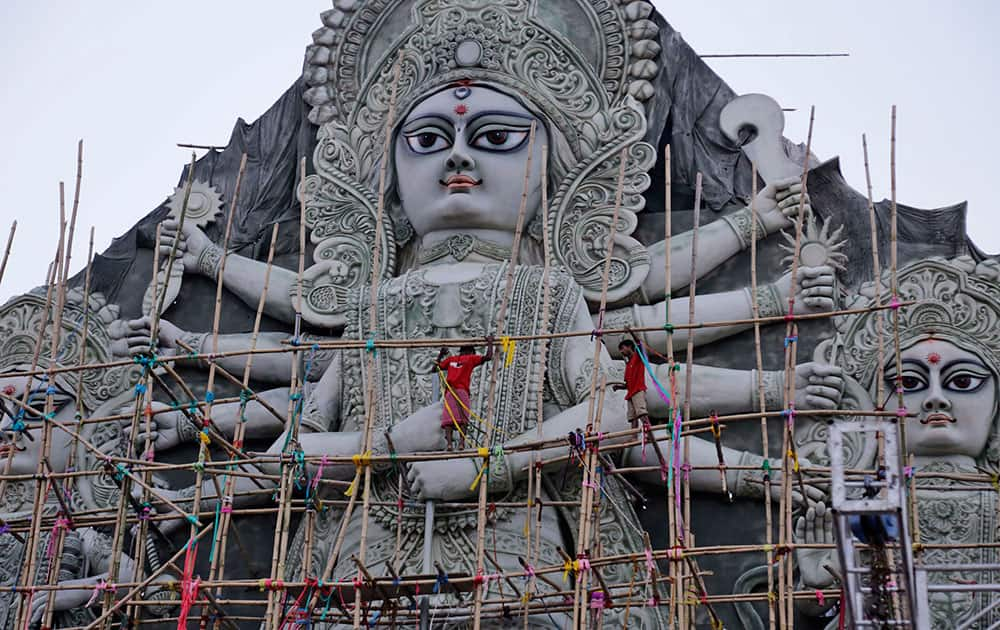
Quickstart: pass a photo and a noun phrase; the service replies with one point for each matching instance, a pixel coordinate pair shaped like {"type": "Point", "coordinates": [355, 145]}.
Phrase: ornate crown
{"type": "Point", "coordinates": [583, 65]}
{"type": "Point", "coordinates": [22, 320]}
{"type": "Point", "coordinates": [956, 300]}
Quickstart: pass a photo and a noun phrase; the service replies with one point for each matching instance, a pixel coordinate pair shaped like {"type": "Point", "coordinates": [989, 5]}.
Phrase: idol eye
{"type": "Point", "coordinates": [501, 139]}
{"type": "Point", "coordinates": [965, 381]}
{"type": "Point", "coordinates": [427, 140]}
{"type": "Point", "coordinates": [910, 382]}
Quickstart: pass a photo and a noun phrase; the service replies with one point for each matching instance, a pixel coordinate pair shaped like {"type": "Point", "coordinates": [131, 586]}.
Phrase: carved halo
{"type": "Point", "coordinates": [21, 321]}
{"type": "Point", "coordinates": [589, 83]}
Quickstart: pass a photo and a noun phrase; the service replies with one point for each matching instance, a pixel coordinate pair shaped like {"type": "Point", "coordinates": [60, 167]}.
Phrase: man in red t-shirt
{"type": "Point", "coordinates": [458, 376]}
{"type": "Point", "coordinates": [635, 384]}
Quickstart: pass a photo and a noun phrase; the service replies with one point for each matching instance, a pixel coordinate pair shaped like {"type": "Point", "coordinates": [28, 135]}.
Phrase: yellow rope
{"type": "Point", "coordinates": [471, 413]}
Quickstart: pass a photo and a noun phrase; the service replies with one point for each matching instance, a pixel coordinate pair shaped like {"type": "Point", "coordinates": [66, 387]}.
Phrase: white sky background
{"type": "Point", "coordinates": [135, 78]}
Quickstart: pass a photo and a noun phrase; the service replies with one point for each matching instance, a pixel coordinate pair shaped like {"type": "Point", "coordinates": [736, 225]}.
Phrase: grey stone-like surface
{"type": "Point", "coordinates": [685, 115]}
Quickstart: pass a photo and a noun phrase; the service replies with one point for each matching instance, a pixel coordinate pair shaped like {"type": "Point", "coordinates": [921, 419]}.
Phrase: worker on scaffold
{"type": "Point", "coordinates": [635, 382]}
{"type": "Point", "coordinates": [455, 397]}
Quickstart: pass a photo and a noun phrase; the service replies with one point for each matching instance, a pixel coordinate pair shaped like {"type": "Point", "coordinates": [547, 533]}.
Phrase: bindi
{"type": "Point", "coordinates": [461, 109]}
{"type": "Point", "coordinates": [934, 358]}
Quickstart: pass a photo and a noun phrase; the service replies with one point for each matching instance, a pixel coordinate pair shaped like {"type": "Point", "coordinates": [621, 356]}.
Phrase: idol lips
{"type": "Point", "coordinates": [938, 419]}
{"type": "Point", "coordinates": [460, 182]}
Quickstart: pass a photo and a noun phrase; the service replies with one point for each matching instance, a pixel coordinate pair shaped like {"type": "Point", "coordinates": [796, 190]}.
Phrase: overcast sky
{"type": "Point", "coordinates": [135, 78]}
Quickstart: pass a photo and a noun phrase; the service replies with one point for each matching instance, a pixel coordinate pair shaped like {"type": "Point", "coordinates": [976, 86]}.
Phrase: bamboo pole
{"type": "Point", "coordinates": [668, 324]}
{"type": "Point", "coordinates": [501, 323]}
{"type": "Point", "coordinates": [41, 489]}
{"type": "Point", "coordinates": [203, 452]}
{"type": "Point", "coordinates": [533, 529]}
{"type": "Point", "coordinates": [295, 406]}
{"type": "Point", "coordinates": [762, 400]}
{"type": "Point", "coordinates": [6, 250]}
{"type": "Point", "coordinates": [370, 368]}
{"type": "Point", "coordinates": [689, 358]}
{"type": "Point", "coordinates": [226, 516]}
{"type": "Point", "coordinates": [598, 342]}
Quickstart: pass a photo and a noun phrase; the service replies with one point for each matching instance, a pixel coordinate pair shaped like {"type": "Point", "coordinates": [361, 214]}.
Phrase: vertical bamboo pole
{"type": "Point", "coordinates": [598, 342]}
{"type": "Point", "coordinates": [877, 276]}
{"type": "Point", "coordinates": [672, 411]}
{"type": "Point", "coordinates": [226, 516]}
{"type": "Point", "coordinates": [6, 251]}
{"type": "Point", "coordinates": [494, 368]}
{"type": "Point", "coordinates": [535, 471]}
{"type": "Point", "coordinates": [67, 485]}
{"type": "Point", "coordinates": [687, 612]}
{"type": "Point", "coordinates": [126, 482]}
{"type": "Point", "coordinates": [761, 400]}
{"type": "Point", "coordinates": [139, 546]}
{"type": "Point", "coordinates": [791, 346]}
{"type": "Point", "coordinates": [43, 480]}
{"type": "Point", "coordinates": [203, 451]}
{"type": "Point", "coordinates": [292, 424]}
{"type": "Point", "coordinates": [366, 446]}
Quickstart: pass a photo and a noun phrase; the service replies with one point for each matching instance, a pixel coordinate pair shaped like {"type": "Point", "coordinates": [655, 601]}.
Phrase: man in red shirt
{"type": "Point", "coordinates": [458, 376]}
{"type": "Point", "coordinates": [635, 384]}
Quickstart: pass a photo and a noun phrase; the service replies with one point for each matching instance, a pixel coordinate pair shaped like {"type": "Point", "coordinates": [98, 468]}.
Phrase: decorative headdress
{"type": "Point", "coordinates": [23, 319]}
{"type": "Point", "coordinates": [584, 65]}
{"type": "Point", "coordinates": [955, 300]}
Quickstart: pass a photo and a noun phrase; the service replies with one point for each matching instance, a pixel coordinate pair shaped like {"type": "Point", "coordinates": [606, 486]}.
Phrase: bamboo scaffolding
{"type": "Point", "coordinates": [533, 590]}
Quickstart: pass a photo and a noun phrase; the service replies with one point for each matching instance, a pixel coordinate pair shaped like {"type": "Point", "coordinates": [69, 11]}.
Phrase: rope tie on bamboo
{"type": "Point", "coordinates": [507, 345]}
{"type": "Point", "coordinates": [894, 303]}
{"type": "Point", "coordinates": [794, 458]}
{"type": "Point", "coordinates": [99, 588]}
{"type": "Point", "coordinates": [597, 601]}
{"type": "Point", "coordinates": [715, 426]}
{"type": "Point", "coordinates": [299, 459]}
{"type": "Point", "coordinates": [298, 614]}
{"type": "Point", "coordinates": [789, 415]}
{"type": "Point", "coordinates": [147, 361]}
{"type": "Point", "coordinates": [442, 581]}
{"type": "Point", "coordinates": [361, 460]}
{"type": "Point", "coordinates": [227, 504]}
{"type": "Point", "coordinates": [820, 598]}
{"type": "Point", "coordinates": [370, 345]}
{"type": "Point", "coordinates": [779, 550]}
{"type": "Point", "coordinates": [485, 454]}
{"type": "Point", "coordinates": [908, 472]}
{"type": "Point", "coordinates": [267, 584]}
{"type": "Point", "coordinates": [62, 523]}
{"type": "Point", "coordinates": [901, 412]}
{"type": "Point", "coordinates": [650, 562]}
{"type": "Point", "coordinates": [766, 467]}
{"type": "Point", "coordinates": [790, 340]}
{"type": "Point", "coordinates": [140, 389]}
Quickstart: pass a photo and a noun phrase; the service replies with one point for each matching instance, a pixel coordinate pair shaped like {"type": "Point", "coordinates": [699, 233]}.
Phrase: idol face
{"type": "Point", "coordinates": [27, 444]}
{"type": "Point", "coordinates": [460, 158]}
{"type": "Point", "coordinates": [953, 394]}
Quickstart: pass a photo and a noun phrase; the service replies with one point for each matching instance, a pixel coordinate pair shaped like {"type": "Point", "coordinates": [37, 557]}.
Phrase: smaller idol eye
{"type": "Point", "coordinates": [909, 381]}
{"type": "Point", "coordinates": [427, 141]}
{"type": "Point", "coordinates": [497, 137]}
{"type": "Point", "coordinates": [965, 382]}
{"type": "Point", "coordinates": [500, 139]}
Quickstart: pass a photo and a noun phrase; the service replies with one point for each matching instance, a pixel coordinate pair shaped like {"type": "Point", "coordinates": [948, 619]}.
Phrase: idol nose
{"type": "Point", "coordinates": [936, 399]}
{"type": "Point", "coordinates": [459, 160]}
